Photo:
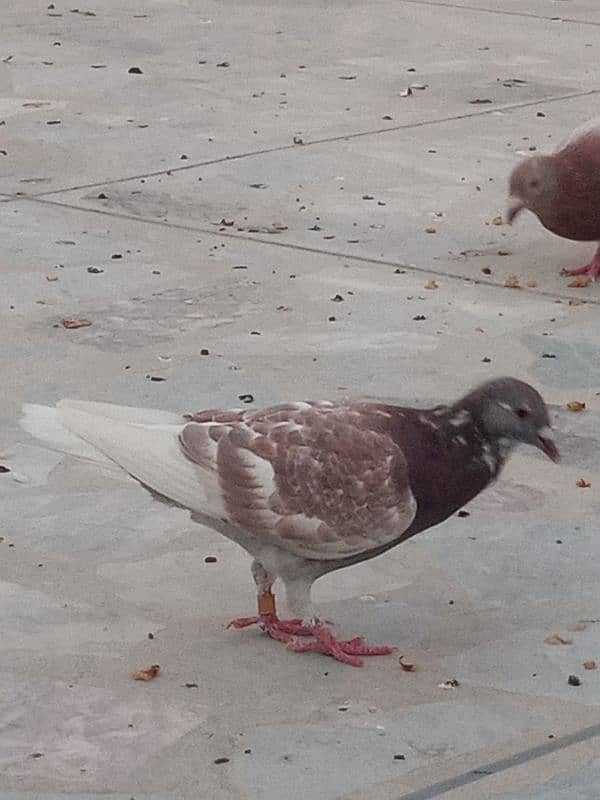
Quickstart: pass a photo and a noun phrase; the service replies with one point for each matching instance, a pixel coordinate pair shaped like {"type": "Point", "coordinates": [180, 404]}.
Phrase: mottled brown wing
{"type": "Point", "coordinates": [320, 480]}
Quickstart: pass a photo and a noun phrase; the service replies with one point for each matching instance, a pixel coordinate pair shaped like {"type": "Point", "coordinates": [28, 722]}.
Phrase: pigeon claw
{"type": "Point", "coordinates": [243, 622]}
{"type": "Point", "coordinates": [592, 269]}
{"type": "Point", "coordinates": [283, 630]}
{"type": "Point", "coordinates": [347, 651]}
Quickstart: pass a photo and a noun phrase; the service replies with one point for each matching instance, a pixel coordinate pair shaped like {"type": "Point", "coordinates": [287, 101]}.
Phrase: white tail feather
{"type": "Point", "coordinates": [44, 424]}
{"type": "Point", "coordinates": [139, 416]}
{"type": "Point", "coordinates": [143, 442]}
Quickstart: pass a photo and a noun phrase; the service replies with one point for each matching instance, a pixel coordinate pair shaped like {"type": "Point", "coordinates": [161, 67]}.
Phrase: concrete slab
{"type": "Point", "coordinates": [410, 198]}
{"type": "Point", "coordinates": [581, 11]}
{"type": "Point", "coordinates": [53, 796]}
{"type": "Point", "coordinates": [74, 114]}
{"type": "Point", "coordinates": [96, 579]}
{"type": "Point", "coordinates": [580, 785]}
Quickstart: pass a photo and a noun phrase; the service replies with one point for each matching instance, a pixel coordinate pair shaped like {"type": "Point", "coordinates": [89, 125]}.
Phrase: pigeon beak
{"type": "Point", "coordinates": [515, 205]}
{"type": "Point", "coordinates": [546, 444]}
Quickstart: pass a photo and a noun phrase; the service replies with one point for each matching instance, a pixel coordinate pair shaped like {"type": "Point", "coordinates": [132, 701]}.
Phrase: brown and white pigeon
{"type": "Point", "coordinates": [563, 191]}
{"type": "Point", "coordinates": [309, 487]}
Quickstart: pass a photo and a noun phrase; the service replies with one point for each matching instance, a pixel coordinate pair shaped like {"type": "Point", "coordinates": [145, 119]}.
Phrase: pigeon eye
{"type": "Point", "coordinates": [522, 412]}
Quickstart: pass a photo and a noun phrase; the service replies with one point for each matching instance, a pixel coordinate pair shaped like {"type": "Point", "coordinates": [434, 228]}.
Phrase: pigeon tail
{"type": "Point", "coordinates": [45, 423]}
{"type": "Point", "coordinates": [142, 442]}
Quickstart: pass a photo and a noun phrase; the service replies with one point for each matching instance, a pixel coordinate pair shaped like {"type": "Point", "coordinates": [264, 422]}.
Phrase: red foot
{"type": "Point", "coordinates": [592, 269]}
{"type": "Point", "coordinates": [286, 630]}
{"type": "Point", "coordinates": [283, 630]}
{"type": "Point", "coordinates": [348, 652]}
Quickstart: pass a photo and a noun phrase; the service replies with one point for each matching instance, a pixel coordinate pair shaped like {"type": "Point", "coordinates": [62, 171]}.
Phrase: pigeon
{"type": "Point", "coordinates": [563, 191]}
{"type": "Point", "coordinates": [309, 487]}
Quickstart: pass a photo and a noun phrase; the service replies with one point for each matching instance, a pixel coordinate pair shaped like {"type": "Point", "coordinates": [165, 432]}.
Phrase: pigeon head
{"type": "Point", "coordinates": [509, 409]}
{"type": "Point", "coordinates": [532, 185]}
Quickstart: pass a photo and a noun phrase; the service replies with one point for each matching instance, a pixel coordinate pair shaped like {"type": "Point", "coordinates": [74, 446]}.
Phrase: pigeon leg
{"type": "Point", "coordinates": [592, 269]}
{"type": "Point", "coordinates": [281, 629]}
{"type": "Point", "coordinates": [347, 651]}
{"type": "Point", "coordinates": [286, 630]}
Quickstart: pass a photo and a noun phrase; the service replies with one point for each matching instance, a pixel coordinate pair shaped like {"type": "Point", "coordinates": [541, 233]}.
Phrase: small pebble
{"type": "Point", "coordinates": [574, 680]}
{"type": "Point", "coordinates": [450, 684]}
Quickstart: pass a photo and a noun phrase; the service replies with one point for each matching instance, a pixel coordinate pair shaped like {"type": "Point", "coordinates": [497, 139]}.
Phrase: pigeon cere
{"type": "Point", "coordinates": [300, 430]}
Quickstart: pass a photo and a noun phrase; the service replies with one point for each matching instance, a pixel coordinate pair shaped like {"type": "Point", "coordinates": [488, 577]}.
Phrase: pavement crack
{"type": "Point", "coordinates": [494, 108]}
{"type": "Point", "coordinates": [502, 764]}
{"type": "Point", "coordinates": [337, 254]}
{"type": "Point", "coordinates": [503, 12]}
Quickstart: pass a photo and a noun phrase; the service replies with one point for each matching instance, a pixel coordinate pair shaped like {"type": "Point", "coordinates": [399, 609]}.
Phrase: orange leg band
{"type": "Point", "coordinates": [266, 604]}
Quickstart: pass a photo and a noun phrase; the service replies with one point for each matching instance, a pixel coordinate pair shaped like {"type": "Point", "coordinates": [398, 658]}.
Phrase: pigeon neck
{"type": "Point", "coordinates": [471, 411]}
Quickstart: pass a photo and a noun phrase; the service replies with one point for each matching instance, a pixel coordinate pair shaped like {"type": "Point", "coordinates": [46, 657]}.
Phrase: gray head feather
{"type": "Point", "coordinates": [507, 408]}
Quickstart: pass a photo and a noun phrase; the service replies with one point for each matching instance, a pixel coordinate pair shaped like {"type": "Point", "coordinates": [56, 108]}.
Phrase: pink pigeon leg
{"type": "Point", "coordinates": [283, 630]}
{"type": "Point", "coordinates": [347, 651]}
{"type": "Point", "coordinates": [287, 630]}
{"type": "Point", "coordinates": [592, 269]}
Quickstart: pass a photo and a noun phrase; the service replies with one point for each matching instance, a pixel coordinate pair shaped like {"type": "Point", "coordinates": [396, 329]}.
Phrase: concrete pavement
{"type": "Point", "coordinates": [266, 158]}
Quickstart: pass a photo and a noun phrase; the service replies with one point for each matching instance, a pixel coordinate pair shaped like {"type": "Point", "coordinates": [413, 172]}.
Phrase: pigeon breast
{"type": "Point", "coordinates": [573, 210]}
